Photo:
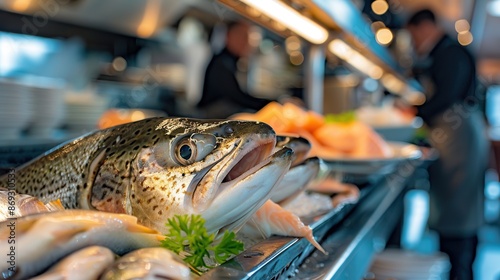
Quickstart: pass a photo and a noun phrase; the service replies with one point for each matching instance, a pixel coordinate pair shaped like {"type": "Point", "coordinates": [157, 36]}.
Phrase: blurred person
{"type": "Point", "coordinates": [457, 131]}
{"type": "Point", "coordinates": [222, 95]}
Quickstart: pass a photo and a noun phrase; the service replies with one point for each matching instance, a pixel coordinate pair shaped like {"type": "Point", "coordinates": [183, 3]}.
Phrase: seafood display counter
{"type": "Point", "coordinates": [351, 234]}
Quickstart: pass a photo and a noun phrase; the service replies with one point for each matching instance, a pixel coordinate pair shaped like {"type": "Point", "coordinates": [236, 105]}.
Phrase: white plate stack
{"type": "Point", "coordinates": [395, 264]}
{"type": "Point", "coordinates": [83, 111]}
{"type": "Point", "coordinates": [15, 109]}
{"type": "Point", "coordinates": [47, 97]}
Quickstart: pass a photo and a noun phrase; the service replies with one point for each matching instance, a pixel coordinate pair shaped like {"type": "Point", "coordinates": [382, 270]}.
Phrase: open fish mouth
{"type": "Point", "coordinates": [237, 200]}
{"type": "Point", "coordinates": [248, 162]}
{"type": "Point", "coordinates": [249, 155]}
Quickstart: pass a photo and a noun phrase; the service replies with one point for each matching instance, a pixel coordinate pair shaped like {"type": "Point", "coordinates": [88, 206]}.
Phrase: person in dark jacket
{"type": "Point", "coordinates": [457, 130]}
{"type": "Point", "coordinates": [222, 95]}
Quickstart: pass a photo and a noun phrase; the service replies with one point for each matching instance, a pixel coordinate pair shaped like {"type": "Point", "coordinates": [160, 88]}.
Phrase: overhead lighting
{"type": "Point", "coordinates": [494, 8]}
{"type": "Point", "coordinates": [384, 36]}
{"type": "Point", "coordinates": [150, 19]}
{"type": "Point", "coordinates": [293, 20]}
{"type": "Point", "coordinates": [119, 64]}
{"type": "Point", "coordinates": [379, 7]}
{"type": "Point", "coordinates": [465, 38]}
{"type": "Point", "coordinates": [462, 26]}
{"type": "Point", "coordinates": [292, 44]}
{"type": "Point", "coordinates": [392, 83]}
{"type": "Point", "coordinates": [21, 5]}
{"type": "Point", "coordinates": [355, 59]}
{"type": "Point", "coordinates": [296, 58]}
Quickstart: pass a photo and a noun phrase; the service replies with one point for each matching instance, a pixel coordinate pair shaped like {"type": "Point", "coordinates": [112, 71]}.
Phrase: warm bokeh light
{"type": "Point", "coordinates": [137, 116]}
{"type": "Point", "coordinates": [119, 64]}
{"type": "Point", "coordinates": [296, 58]}
{"type": "Point", "coordinates": [465, 38]}
{"type": "Point", "coordinates": [292, 44]}
{"type": "Point", "coordinates": [384, 36]}
{"type": "Point", "coordinates": [253, 12]}
{"type": "Point", "coordinates": [462, 26]}
{"type": "Point", "coordinates": [290, 18]}
{"type": "Point", "coordinates": [355, 59]}
{"type": "Point", "coordinates": [392, 83]}
{"type": "Point", "coordinates": [150, 19]}
{"type": "Point", "coordinates": [380, 6]}
{"type": "Point", "coordinates": [278, 26]}
{"type": "Point", "coordinates": [375, 73]}
{"type": "Point", "coordinates": [20, 5]}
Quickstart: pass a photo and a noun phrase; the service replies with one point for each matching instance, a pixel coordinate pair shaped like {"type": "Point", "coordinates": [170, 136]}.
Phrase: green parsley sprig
{"type": "Point", "coordinates": [189, 238]}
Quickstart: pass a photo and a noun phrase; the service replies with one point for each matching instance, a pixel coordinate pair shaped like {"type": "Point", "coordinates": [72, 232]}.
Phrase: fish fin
{"type": "Point", "coordinates": [283, 222]}
{"type": "Point", "coordinates": [137, 228]}
{"type": "Point", "coordinates": [315, 243]}
{"type": "Point", "coordinates": [55, 205]}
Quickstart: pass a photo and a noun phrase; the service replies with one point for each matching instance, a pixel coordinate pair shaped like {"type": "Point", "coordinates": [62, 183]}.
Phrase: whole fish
{"type": "Point", "coordinates": [156, 168]}
{"type": "Point", "coordinates": [148, 263]}
{"type": "Point", "coordinates": [85, 264]}
{"type": "Point", "coordinates": [40, 240]}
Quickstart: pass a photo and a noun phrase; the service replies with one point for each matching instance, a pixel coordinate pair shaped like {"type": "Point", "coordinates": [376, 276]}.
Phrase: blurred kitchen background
{"type": "Point", "coordinates": [86, 56]}
{"type": "Point", "coordinates": [68, 66]}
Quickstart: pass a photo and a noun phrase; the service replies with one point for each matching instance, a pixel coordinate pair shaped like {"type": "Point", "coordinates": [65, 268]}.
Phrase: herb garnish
{"type": "Point", "coordinates": [189, 238]}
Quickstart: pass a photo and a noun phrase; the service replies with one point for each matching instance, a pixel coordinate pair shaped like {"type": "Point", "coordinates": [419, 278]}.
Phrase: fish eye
{"type": "Point", "coordinates": [185, 152]}
{"type": "Point", "coordinates": [194, 148]}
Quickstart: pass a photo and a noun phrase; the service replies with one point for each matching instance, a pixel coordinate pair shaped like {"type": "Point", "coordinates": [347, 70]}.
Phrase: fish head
{"type": "Point", "coordinates": [203, 167]}
{"type": "Point", "coordinates": [300, 146]}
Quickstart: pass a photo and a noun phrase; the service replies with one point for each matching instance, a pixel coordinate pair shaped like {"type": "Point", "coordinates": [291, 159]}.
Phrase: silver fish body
{"type": "Point", "coordinates": [85, 264]}
{"type": "Point", "coordinates": [159, 167]}
{"type": "Point", "coordinates": [148, 263]}
{"type": "Point", "coordinates": [296, 180]}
